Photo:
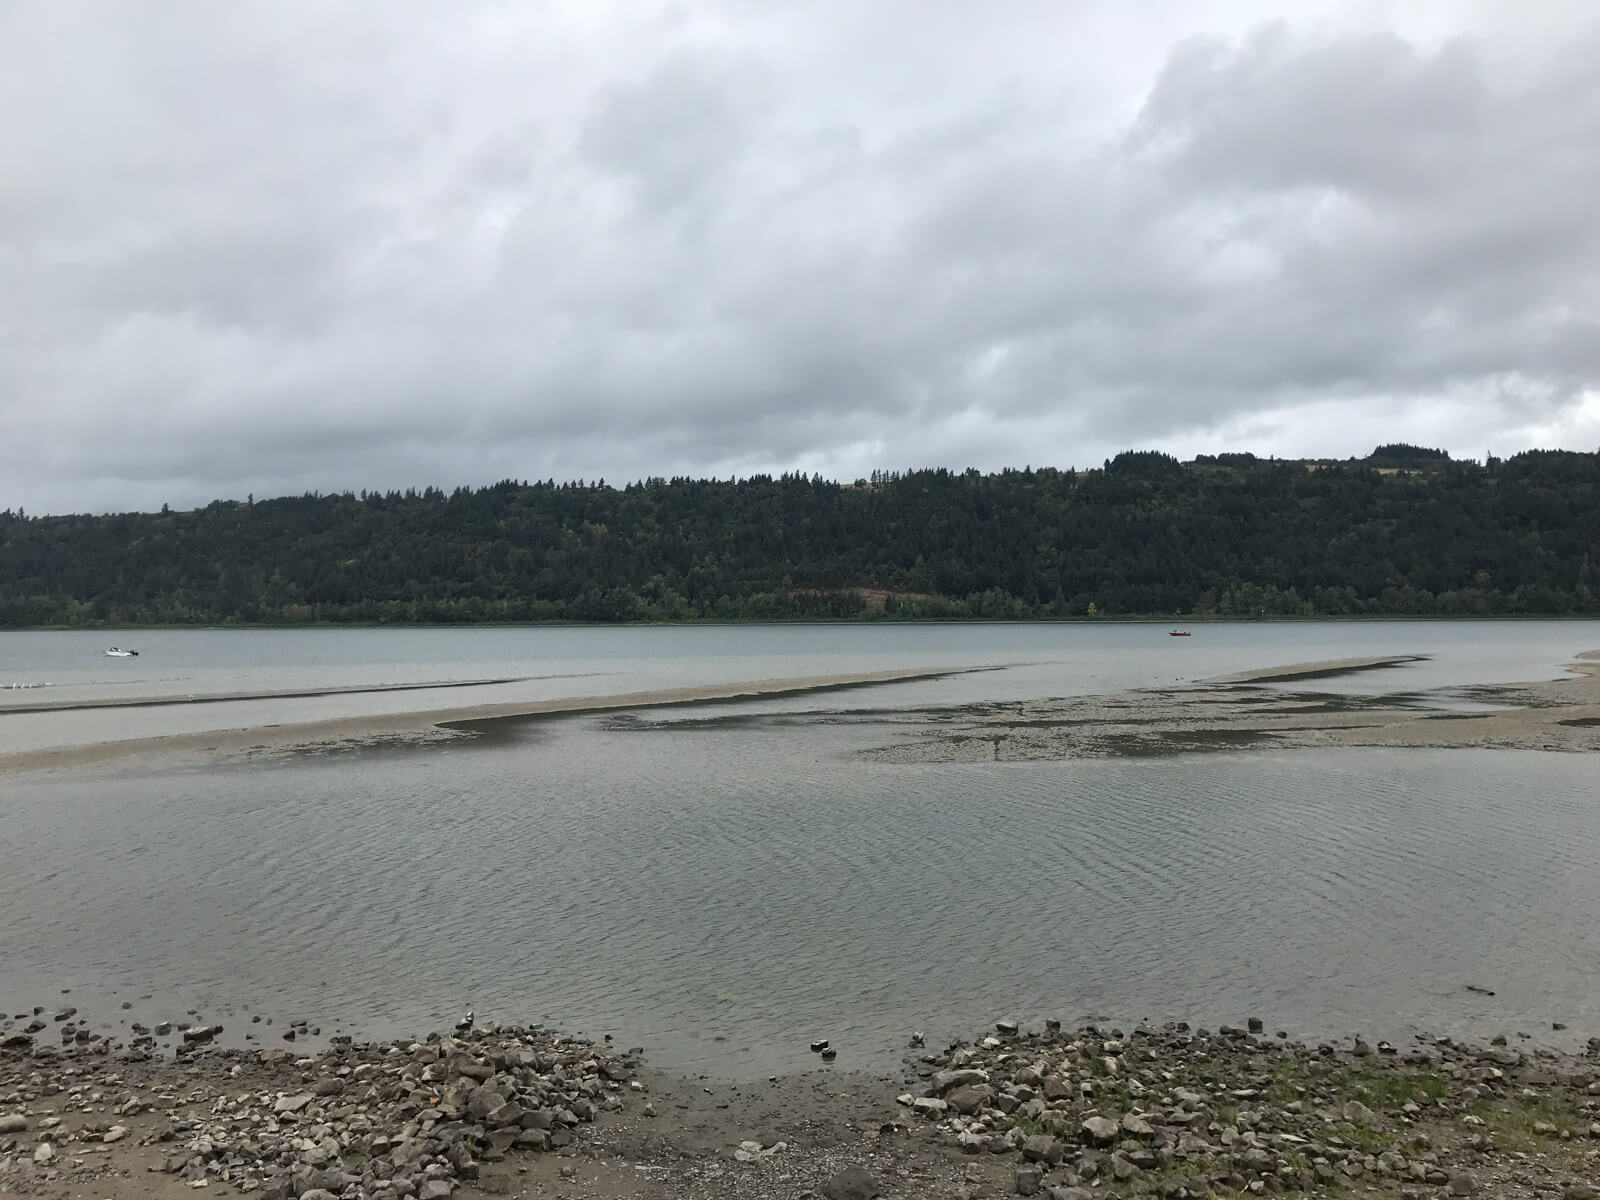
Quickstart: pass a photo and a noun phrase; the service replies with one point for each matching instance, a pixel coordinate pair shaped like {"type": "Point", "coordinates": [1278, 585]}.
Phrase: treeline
{"type": "Point", "coordinates": [1232, 536]}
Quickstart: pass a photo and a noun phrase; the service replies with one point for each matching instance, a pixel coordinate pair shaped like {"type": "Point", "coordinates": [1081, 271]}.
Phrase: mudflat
{"type": "Point", "coordinates": [1253, 710]}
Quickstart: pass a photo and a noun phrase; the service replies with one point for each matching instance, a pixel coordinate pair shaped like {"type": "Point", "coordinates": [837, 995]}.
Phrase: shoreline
{"type": "Point", "coordinates": [1081, 1114]}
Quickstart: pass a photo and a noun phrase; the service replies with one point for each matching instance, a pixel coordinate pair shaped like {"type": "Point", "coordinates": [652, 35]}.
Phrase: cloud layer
{"type": "Point", "coordinates": [278, 247]}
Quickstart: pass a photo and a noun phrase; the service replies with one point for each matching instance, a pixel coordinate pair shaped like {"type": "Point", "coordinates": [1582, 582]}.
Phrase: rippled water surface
{"type": "Point", "coordinates": [722, 891]}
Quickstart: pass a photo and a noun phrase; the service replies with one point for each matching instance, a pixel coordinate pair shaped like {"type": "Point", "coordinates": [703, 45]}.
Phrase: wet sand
{"type": "Point", "coordinates": [1245, 712]}
{"type": "Point", "coordinates": [435, 724]}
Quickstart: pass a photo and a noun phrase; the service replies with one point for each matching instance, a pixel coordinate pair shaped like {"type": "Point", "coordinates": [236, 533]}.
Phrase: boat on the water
{"type": "Point", "coordinates": [1177, 633]}
{"type": "Point", "coordinates": [114, 652]}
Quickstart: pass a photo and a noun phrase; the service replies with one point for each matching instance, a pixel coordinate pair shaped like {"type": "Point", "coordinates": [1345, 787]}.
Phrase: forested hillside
{"type": "Point", "coordinates": [1230, 535]}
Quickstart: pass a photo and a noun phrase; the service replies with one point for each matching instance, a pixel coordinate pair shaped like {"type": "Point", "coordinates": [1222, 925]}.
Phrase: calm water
{"type": "Point", "coordinates": [722, 892]}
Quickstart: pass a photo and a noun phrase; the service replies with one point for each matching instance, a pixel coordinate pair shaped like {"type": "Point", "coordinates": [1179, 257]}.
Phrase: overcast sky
{"type": "Point", "coordinates": [292, 245]}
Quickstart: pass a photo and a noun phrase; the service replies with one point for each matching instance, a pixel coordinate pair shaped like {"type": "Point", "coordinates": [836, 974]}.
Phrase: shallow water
{"type": "Point", "coordinates": [722, 891]}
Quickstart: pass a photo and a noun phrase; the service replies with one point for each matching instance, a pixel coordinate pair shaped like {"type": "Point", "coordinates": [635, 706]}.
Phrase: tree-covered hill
{"type": "Point", "coordinates": [1230, 535]}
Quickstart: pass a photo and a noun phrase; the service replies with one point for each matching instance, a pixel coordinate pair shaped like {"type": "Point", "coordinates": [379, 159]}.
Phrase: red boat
{"type": "Point", "coordinates": [1177, 633]}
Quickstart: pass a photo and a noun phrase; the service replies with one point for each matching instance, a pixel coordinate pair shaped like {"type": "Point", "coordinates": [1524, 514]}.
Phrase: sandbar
{"type": "Point", "coordinates": [439, 723]}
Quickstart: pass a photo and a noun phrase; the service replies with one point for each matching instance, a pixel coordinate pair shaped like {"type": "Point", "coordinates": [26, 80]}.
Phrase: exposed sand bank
{"type": "Point", "coordinates": [1243, 712]}
{"type": "Point", "coordinates": [1327, 669]}
{"type": "Point", "coordinates": [437, 723]}
{"type": "Point", "coordinates": [294, 694]}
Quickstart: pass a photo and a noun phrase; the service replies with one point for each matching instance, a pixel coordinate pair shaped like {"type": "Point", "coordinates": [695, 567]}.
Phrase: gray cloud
{"type": "Point", "coordinates": [278, 247]}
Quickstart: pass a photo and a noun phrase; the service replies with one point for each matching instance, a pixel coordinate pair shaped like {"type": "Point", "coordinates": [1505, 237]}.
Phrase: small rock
{"type": "Point", "coordinates": [817, 1047]}
{"type": "Point", "coordinates": [1028, 1179]}
{"type": "Point", "coordinates": [1100, 1129]}
{"type": "Point", "coordinates": [852, 1183]}
{"type": "Point", "coordinates": [1042, 1148]}
{"type": "Point", "coordinates": [970, 1097]}
{"type": "Point", "coordinates": [44, 1152]}
{"type": "Point", "coordinates": [13, 1123]}
{"type": "Point", "coordinates": [1462, 1184]}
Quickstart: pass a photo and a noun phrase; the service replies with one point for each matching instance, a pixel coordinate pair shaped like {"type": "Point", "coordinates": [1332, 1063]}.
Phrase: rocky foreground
{"type": "Point", "coordinates": [1174, 1112]}
{"type": "Point", "coordinates": [1084, 1115]}
{"type": "Point", "coordinates": [381, 1121]}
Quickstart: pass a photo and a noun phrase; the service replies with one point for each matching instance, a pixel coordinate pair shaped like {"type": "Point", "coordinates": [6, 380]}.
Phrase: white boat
{"type": "Point", "coordinates": [116, 653]}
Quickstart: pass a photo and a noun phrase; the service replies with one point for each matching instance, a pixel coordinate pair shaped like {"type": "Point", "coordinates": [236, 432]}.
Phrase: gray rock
{"type": "Point", "coordinates": [1071, 1193]}
{"type": "Point", "coordinates": [1462, 1184]}
{"type": "Point", "coordinates": [436, 1189]}
{"type": "Point", "coordinates": [852, 1183]}
{"type": "Point", "coordinates": [482, 1101]}
{"type": "Point", "coordinates": [293, 1104]}
{"type": "Point", "coordinates": [944, 1081]}
{"type": "Point", "coordinates": [1136, 1126]}
{"type": "Point", "coordinates": [1359, 1114]}
{"type": "Point", "coordinates": [1042, 1148]}
{"type": "Point", "coordinates": [13, 1123]}
{"type": "Point", "coordinates": [1100, 1129]}
{"type": "Point", "coordinates": [1028, 1179]}
{"type": "Point", "coordinates": [44, 1152]}
{"type": "Point", "coordinates": [969, 1098]}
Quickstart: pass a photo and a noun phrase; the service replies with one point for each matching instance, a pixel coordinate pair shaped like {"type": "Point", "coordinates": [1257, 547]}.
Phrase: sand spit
{"type": "Point", "coordinates": [1329, 669]}
{"type": "Point", "coordinates": [444, 723]}
{"type": "Point", "coordinates": [299, 694]}
{"type": "Point", "coordinates": [1244, 712]}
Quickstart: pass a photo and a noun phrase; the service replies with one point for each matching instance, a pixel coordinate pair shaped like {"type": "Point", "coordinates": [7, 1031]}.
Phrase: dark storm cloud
{"type": "Point", "coordinates": [273, 248]}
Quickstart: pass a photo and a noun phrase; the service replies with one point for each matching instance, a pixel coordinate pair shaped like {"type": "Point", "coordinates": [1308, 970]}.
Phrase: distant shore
{"type": "Point", "coordinates": [1177, 620]}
